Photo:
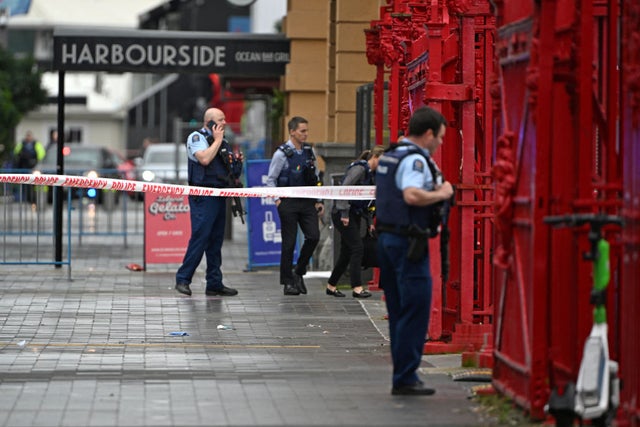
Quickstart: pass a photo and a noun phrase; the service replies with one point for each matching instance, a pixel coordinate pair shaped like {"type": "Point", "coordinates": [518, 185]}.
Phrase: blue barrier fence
{"type": "Point", "coordinates": [27, 225]}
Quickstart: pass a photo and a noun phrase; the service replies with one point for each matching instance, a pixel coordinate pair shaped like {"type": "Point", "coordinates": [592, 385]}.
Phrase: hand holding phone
{"type": "Point", "coordinates": [216, 129]}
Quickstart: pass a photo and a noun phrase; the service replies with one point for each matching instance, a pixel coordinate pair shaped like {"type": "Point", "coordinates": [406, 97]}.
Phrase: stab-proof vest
{"type": "Point", "coordinates": [215, 174]}
{"type": "Point", "coordinates": [360, 206]}
{"type": "Point", "coordinates": [301, 171]}
{"type": "Point", "coordinates": [391, 208]}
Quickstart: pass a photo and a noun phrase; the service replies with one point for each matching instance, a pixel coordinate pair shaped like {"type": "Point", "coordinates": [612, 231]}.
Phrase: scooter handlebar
{"type": "Point", "coordinates": [576, 220]}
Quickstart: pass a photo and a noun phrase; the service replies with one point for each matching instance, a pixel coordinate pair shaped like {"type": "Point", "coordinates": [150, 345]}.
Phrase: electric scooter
{"type": "Point", "coordinates": [596, 395]}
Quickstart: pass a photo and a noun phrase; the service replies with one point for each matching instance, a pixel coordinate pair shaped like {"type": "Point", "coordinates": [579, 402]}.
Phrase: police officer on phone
{"type": "Point", "coordinates": [212, 163]}
{"type": "Point", "coordinates": [294, 165]}
{"type": "Point", "coordinates": [409, 190]}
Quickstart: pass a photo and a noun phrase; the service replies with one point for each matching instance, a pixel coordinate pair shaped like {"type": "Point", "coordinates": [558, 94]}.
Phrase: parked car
{"type": "Point", "coordinates": [163, 162]}
{"type": "Point", "coordinates": [88, 160]}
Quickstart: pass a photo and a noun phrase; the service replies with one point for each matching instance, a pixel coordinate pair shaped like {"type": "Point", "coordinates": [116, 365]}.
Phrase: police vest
{"type": "Point", "coordinates": [301, 171]}
{"type": "Point", "coordinates": [27, 155]}
{"type": "Point", "coordinates": [391, 209]}
{"type": "Point", "coordinates": [360, 206]}
{"type": "Point", "coordinates": [217, 173]}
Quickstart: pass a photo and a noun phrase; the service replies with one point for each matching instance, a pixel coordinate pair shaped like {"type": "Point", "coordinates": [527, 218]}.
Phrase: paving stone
{"type": "Point", "coordinates": [98, 352]}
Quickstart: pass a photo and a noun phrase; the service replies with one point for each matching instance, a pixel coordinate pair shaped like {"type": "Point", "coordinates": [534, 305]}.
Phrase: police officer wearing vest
{"type": "Point", "coordinates": [406, 194]}
{"type": "Point", "coordinates": [294, 165]}
{"type": "Point", "coordinates": [212, 163]}
{"type": "Point", "coordinates": [27, 153]}
{"type": "Point", "coordinates": [346, 216]}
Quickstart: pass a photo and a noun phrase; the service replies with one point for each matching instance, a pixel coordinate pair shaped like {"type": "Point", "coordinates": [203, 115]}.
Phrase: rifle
{"type": "Point", "coordinates": [444, 238]}
{"type": "Point", "coordinates": [227, 160]}
{"type": "Point", "coordinates": [236, 207]}
{"type": "Point", "coordinates": [236, 203]}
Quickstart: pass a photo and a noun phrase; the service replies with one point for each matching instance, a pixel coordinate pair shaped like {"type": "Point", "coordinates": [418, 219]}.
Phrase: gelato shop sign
{"type": "Point", "coordinates": [260, 55]}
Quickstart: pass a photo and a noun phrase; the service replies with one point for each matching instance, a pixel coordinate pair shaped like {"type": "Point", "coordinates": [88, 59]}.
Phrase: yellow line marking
{"type": "Point", "coordinates": [174, 345]}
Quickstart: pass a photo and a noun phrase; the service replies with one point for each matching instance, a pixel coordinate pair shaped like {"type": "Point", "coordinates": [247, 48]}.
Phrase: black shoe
{"type": "Point", "coordinates": [183, 288]}
{"type": "Point", "coordinates": [362, 294]}
{"type": "Point", "coordinates": [335, 293]}
{"type": "Point", "coordinates": [298, 282]}
{"type": "Point", "coordinates": [224, 292]}
{"type": "Point", "coordinates": [291, 290]}
{"type": "Point", "coordinates": [417, 389]}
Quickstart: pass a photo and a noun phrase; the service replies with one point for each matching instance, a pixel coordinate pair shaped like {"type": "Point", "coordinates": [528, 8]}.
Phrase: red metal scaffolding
{"type": "Point", "coordinates": [441, 54]}
{"type": "Point", "coordinates": [543, 101]}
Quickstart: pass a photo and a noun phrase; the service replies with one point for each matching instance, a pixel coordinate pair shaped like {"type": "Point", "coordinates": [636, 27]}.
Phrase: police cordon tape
{"type": "Point", "coordinates": [346, 192]}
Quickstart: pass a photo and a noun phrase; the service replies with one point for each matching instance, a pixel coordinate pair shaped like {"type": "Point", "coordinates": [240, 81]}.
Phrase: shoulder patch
{"type": "Point", "coordinates": [288, 151]}
{"type": "Point", "coordinates": [195, 138]}
{"type": "Point", "coordinates": [418, 166]}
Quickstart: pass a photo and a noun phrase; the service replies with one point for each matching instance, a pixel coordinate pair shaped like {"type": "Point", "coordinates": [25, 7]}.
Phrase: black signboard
{"type": "Point", "coordinates": [150, 51]}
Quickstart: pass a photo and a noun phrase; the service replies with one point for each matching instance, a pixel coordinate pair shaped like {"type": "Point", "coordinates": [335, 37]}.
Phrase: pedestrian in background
{"type": "Point", "coordinates": [293, 165]}
{"type": "Point", "coordinates": [28, 152]}
{"type": "Point", "coordinates": [346, 216]}
{"type": "Point", "coordinates": [212, 163]}
{"type": "Point", "coordinates": [53, 139]}
{"type": "Point", "coordinates": [408, 186]}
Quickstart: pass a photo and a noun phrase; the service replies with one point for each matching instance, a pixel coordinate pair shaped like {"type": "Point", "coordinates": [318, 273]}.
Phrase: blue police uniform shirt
{"type": "Point", "coordinates": [196, 142]}
{"type": "Point", "coordinates": [413, 171]}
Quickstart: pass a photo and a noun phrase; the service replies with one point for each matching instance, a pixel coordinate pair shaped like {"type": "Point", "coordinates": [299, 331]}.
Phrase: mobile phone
{"type": "Point", "coordinates": [210, 124]}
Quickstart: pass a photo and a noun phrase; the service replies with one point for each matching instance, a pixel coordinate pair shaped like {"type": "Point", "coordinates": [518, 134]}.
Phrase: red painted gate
{"type": "Point", "coordinates": [630, 292]}
{"type": "Point", "coordinates": [544, 125]}
{"type": "Point", "coordinates": [558, 85]}
{"type": "Point", "coordinates": [440, 53]}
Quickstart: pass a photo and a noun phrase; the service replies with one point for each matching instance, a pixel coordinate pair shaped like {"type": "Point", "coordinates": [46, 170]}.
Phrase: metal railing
{"type": "Point", "coordinates": [27, 226]}
{"type": "Point", "coordinates": [26, 230]}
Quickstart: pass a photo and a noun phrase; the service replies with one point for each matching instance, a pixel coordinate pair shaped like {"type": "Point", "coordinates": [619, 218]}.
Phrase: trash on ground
{"type": "Point", "coordinates": [135, 267]}
{"type": "Point", "coordinates": [179, 334]}
{"type": "Point", "coordinates": [225, 327]}
{"type": "Point", "coordinates": [22, 343]}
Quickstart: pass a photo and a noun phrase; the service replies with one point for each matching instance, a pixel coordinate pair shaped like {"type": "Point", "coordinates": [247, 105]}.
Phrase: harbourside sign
{"type": "Point", "coordinates": [262, 55]}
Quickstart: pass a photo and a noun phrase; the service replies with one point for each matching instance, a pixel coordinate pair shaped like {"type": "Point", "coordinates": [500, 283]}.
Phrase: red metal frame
{"type": "Point", "coordinates": [541, 79]}
{"type": "Point", "coordinates": [440, 53]}
{"type": "Point", "coordinates": [562, 165]}
{"type": "Point", "coordinates": [629, 344]}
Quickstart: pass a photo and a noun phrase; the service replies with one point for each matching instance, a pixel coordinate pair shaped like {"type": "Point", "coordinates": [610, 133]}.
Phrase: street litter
{"type": "Point", "coordinates": [225, 327]}
{"type": "Point", "coordinates": [135, 267]}
{"type": "Point", "coordinates": [179, 334]}
{"type": "Point", "coordinates": [22, 343]}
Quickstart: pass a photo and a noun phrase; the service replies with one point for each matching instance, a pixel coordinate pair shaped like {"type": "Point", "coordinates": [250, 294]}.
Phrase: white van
{"type": "Point", "coordinates": [164, 162]}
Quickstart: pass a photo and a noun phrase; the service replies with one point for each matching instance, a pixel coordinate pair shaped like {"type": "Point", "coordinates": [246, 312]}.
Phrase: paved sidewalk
{"type": "Point", "coordinates": [97, 351]}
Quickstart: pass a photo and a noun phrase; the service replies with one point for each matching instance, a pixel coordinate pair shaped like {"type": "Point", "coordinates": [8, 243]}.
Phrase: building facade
{"type": "Point", "coordinates": [328, 64]}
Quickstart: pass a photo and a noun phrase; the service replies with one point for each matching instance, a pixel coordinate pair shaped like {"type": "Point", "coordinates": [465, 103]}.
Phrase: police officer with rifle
{"type": "Point", "coordinates": [409, 196]}
{"type": "Point", "coordinates": [212, 163]}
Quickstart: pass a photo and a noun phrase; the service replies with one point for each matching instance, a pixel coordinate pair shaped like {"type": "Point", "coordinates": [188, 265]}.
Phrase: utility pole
{"type": "Point", "coordinates": [5, 12]}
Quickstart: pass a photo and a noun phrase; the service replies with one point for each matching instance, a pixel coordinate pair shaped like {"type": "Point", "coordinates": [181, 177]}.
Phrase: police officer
{"type": "Point", "coordinates": [212, 163]}
{"type": "Point", "coordinates": [346, 216]}
{"type": "Point", "coordinates": [406, 194]}
{"type": "Point", "coordinates": [28, 152]}
{"type": "Point", "coordinates": [294, 165]}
